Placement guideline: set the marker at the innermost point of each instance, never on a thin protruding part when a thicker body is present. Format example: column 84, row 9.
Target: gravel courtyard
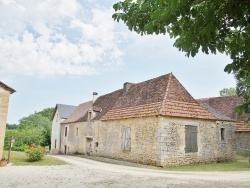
column 82, row 172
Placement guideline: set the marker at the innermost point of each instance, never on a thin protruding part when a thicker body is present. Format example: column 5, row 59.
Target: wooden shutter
column 191, row 138
column 126, row 143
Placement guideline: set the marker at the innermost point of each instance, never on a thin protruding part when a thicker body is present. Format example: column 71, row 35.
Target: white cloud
column 55, row 37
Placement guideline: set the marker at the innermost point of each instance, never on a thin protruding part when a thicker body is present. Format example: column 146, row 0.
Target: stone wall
column 144, row 143
column 156, row 141
column 211, row 148
column 4, row 103
column 242, row 142
column 76, row 140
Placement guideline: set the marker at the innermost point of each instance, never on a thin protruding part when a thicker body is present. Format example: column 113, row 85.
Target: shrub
column 34, row 153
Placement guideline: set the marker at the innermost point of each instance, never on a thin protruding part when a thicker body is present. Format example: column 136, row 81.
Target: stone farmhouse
column 154, row 122
column 60, row 113
column 5, row 92
column 225, row 105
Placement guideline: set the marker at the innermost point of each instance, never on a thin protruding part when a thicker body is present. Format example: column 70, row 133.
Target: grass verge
column 19, row 159
column 241, row 164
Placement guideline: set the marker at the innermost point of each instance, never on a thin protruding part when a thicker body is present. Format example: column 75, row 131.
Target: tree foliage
column 228, row 92
column 47, row 112
column 210, row 26
column 11, row 126
column 34, row 129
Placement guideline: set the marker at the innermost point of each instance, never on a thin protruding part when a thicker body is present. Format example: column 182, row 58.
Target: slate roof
column 64, row 110
column 78, row 112
column 163, row 95
column 7, row 87
column 225, row 106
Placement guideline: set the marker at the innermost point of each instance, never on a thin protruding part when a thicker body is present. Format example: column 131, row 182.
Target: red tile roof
column 225, row 105
column 163, row 95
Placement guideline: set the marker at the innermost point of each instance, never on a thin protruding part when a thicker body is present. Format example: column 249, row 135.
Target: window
column 76, row 131
column 126, row 139
column 66, row 131
column 89, row 116
column 222, row 134
column 55, row 143
column 191, row 139
column 96, row 144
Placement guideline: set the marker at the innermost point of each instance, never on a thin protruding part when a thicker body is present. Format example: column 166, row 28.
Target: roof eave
column 7, row 87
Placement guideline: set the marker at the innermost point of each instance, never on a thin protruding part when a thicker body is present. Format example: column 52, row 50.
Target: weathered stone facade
column 4, row 103
column 211, row 147
column 242, row 142
column 155, row 140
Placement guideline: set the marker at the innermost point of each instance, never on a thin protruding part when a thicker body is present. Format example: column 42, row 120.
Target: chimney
column 126, row 87
column 95, row 96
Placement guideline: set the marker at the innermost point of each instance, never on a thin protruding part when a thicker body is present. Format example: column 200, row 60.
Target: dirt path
column 88, row 173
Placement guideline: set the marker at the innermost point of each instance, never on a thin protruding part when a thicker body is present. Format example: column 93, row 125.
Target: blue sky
column 61, row 51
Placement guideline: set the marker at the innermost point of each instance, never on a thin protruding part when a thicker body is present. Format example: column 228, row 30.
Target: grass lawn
column 241, row 164
column 19, row 159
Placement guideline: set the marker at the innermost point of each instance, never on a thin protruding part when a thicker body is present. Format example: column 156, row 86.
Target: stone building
column 154, row 122
column 225, row 105
column 5, row 92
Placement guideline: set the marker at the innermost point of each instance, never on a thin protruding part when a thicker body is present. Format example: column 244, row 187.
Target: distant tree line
column 34, row 129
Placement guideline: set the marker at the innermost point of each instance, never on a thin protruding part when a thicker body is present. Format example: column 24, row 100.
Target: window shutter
column 194, row 147
column 191, row 139
column 123, row 138
column 126, row 139
column 187, row 139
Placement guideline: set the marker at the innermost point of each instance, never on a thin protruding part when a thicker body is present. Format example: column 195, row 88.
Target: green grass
column 241, row 164
column 19, row 159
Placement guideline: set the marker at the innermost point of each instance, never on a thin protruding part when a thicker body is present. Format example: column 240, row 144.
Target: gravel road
column 82, row 172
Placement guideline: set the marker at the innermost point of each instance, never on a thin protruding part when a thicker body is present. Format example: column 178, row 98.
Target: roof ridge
column 166, row 93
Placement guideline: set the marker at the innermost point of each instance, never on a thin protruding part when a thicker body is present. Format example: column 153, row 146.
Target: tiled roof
column 163, row 95
column 7, row 87
column 214, row 112
column 103, row 104
column 240, row 126
column 79, row 111
column 225, row 106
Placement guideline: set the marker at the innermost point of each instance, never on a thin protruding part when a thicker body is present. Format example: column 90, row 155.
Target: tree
column 34, row 121
column 47, row 112
column 228, row 92
column 210, row 26
column 11, row 126
column 34, row 129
